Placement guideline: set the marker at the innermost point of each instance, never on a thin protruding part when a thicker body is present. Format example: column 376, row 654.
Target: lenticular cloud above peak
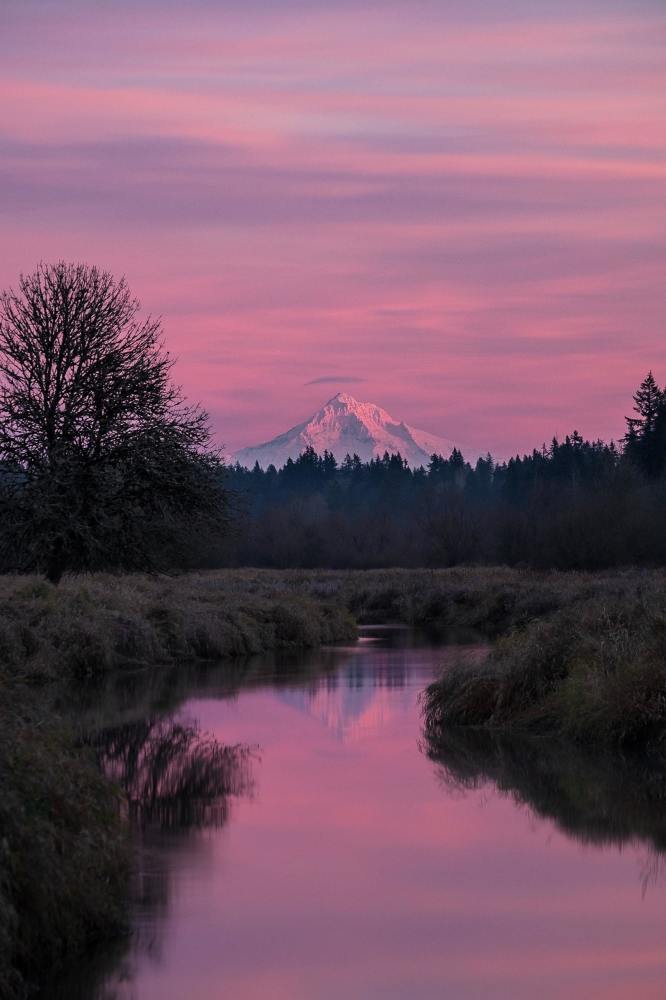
column 346, row 426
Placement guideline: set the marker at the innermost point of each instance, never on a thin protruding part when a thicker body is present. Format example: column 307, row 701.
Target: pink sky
column 455, row 210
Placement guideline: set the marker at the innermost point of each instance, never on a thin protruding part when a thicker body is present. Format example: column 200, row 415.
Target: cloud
column 335, row 378
column 465, row 204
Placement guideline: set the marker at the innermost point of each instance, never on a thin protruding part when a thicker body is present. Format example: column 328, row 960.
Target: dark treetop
column 103, row 462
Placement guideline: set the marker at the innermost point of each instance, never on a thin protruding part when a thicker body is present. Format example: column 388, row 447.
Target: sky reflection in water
column 348, row 864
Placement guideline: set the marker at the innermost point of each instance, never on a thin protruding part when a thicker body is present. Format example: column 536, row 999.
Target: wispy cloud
column 466, row 205
column 324, row 379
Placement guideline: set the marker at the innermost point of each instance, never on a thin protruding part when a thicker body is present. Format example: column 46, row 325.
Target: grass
column 63, row 849
column 487, row 600
column 96, row 624
column 580, row 656
column 594, row 672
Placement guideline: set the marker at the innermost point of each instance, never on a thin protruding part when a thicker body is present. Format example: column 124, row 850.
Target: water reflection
column 171, row 774
column 332, row 864
column 363, row 694
column 597, row 798
column 177, row 782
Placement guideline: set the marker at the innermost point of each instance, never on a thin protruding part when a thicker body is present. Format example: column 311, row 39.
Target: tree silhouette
column 102, row 460
column 645, row 441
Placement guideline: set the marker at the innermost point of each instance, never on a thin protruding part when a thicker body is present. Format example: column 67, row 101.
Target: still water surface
column 340, row 857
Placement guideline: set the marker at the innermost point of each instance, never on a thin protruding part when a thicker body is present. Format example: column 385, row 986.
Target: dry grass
column 594, row 671
column 490, row 600
column 585, row 656
column 94, row 624
column 64, row 855
column 63, row 848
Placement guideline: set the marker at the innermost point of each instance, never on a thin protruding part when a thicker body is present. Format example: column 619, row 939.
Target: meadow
column 96, row 623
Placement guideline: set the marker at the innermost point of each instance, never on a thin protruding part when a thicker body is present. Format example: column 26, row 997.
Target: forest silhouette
column 574, row 504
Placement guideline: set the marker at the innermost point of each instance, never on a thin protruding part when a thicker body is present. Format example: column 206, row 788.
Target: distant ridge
column 345, row 426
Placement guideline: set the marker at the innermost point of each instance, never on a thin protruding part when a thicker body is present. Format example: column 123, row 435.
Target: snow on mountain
column 345, row 426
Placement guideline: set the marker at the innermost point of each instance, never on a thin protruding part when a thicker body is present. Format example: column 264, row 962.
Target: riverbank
column 581, row 655
column 64, row 852
column 593, row 671
column 489, row 600
column 96, row 624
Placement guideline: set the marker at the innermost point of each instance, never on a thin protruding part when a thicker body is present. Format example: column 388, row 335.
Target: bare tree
column 103, row 463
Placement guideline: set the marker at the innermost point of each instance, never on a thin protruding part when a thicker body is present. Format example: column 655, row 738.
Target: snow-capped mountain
column 345, row 426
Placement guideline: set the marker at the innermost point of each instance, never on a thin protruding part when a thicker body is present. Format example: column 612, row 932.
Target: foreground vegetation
column 64, row 856
column 593, row 671
column 94, row 624
column 64, row 849
column 578, row 655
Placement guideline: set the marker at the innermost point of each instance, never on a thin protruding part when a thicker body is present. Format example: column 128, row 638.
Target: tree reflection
column 597, row 798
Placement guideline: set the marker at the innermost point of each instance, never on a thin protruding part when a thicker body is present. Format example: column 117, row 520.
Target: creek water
column 325, row 850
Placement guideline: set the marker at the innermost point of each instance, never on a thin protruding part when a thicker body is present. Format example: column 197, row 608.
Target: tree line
column 104, row 465
column 574, row 504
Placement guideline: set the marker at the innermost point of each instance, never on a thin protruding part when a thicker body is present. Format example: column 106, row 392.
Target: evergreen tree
column 645, row 440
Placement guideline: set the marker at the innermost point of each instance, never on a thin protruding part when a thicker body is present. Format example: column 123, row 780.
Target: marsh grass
column 94, row 624
column 594, row 671
column 489, row 600
column 63, row 848
column 580, row 655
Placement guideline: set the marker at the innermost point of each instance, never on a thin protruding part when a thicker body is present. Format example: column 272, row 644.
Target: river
column 321, row 849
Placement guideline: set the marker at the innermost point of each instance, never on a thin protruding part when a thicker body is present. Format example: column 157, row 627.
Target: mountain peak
column 343, row 400
column 346, row 426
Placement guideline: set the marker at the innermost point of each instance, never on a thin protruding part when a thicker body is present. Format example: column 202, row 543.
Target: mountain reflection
column 597, row 798
column 366, row 693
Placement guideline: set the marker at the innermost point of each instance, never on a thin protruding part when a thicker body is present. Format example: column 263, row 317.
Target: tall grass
column 63, row 849
column 585, row 656
column 595, row 671
column 490, row 600
column 64, row 852
column 95, row 624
